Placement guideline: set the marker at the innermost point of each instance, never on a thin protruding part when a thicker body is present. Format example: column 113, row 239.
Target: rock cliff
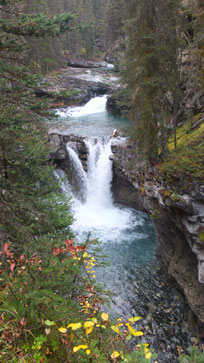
column 179, row 221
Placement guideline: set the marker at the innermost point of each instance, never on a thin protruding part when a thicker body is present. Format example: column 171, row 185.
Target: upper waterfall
column 92, row 119
column 95, row 105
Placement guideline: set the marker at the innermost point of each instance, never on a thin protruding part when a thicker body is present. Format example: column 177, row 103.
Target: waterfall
column 95, row 105
column 77, row 175
column 94, row 186
column 99, row 174
column 93, row 206
column 65, row 187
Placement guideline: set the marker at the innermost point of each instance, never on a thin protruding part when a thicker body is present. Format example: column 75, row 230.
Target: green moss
column 175, row 197
column 155, row 215
column 186, row 161
column 200, row 233
column 167, row 193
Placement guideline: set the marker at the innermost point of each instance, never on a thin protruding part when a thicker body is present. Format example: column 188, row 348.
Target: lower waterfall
column 93, row 207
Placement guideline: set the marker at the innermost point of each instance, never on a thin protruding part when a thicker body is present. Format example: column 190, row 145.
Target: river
column 127, row 236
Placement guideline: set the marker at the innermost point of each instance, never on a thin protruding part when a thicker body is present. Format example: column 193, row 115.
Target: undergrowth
column 51, row 310
column 186, row 161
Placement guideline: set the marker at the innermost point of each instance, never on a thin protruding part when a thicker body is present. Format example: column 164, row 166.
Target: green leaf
column 49, row 323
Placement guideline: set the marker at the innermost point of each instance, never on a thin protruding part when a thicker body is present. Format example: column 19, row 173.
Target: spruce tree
column 28, row 209
column 152, row 69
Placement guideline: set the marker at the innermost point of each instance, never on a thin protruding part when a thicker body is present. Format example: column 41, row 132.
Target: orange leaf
column 89, row 330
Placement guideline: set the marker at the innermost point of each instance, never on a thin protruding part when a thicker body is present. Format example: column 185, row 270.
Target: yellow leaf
column 89, row 330
column 138, row 333
column 74, row 326
column 88, row 324
column 115, row 354
column 115, row 329
column 133, row 331
column 136, row 318
column 88, row 351
column 130, row 328
column 62, row 330
column 148, row 355
column 75, row 349
column 104, row 316
column 94, row 320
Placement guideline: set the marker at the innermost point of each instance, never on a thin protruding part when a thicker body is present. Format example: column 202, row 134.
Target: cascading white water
column 99, row 174
column 93, row 206
column 77, row 174
column 65, row 187
column 95, row 105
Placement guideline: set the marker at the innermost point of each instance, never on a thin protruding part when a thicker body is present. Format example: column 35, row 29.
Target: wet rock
column 90, row 83
column 82, row 63
column 151, row 307
column 59, row 142
column 115, row 105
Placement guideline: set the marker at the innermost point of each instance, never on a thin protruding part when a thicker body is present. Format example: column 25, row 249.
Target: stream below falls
column 127, row 236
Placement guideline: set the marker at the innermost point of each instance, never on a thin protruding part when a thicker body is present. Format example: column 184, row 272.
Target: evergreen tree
column 152, row 69
column 115, row 12
column 27, row 211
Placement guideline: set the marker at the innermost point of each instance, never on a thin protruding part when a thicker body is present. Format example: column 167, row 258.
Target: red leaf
column 12, row 265
column 56, row 251
column 23, row 321
column 6, row 249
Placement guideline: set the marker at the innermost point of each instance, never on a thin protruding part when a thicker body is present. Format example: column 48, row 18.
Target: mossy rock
column 200, row 233
column 185, row 163
column 165, row 193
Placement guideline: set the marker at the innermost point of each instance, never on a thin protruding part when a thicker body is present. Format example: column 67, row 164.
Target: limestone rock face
column 59, row 142
column 178, row 219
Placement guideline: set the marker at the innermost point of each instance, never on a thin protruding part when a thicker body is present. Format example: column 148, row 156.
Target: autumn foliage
column 51, row 310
